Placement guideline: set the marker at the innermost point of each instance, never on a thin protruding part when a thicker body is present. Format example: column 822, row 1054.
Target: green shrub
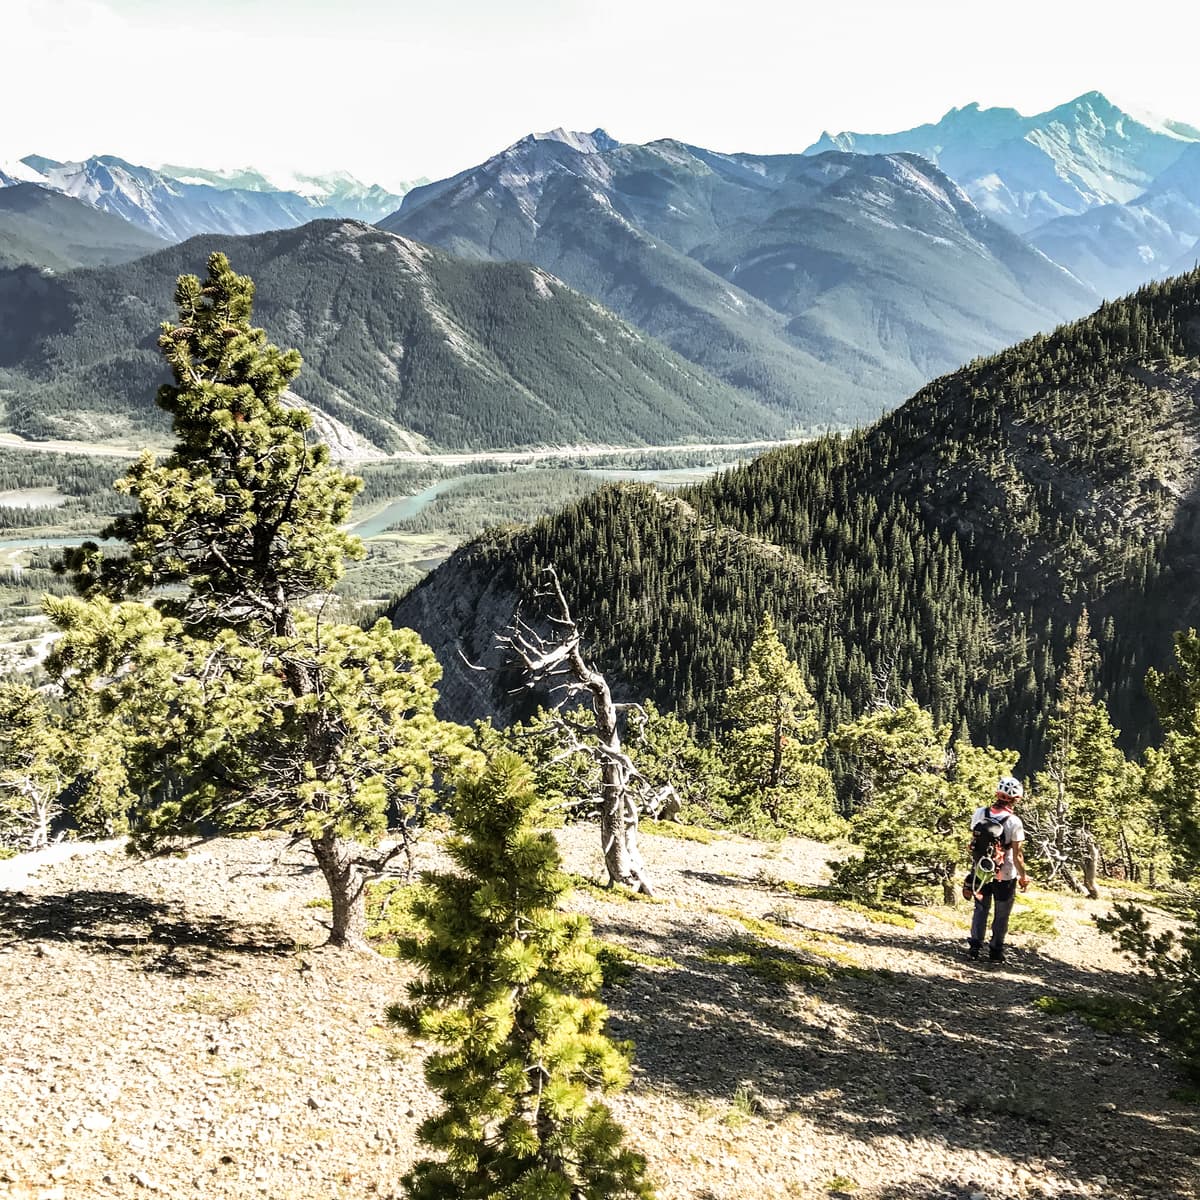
column 1169, row 964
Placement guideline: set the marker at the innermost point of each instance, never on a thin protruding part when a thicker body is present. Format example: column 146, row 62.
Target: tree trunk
column 618, row 816
column 40, row 838
column 1131, row 871
column 1070, row 880
column 1060, row 824
column 777, row 744
column 1091, row 859
column 347, row 882
column 545, row 660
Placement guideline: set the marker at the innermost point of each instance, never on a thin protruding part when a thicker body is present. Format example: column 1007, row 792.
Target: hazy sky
column 392, row 89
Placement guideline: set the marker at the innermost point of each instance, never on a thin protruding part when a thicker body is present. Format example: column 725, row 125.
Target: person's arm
column 1019, row 863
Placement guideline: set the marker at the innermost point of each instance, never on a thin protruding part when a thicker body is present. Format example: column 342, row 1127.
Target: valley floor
column 168, row 1028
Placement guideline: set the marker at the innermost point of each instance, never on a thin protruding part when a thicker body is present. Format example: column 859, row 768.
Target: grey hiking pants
column 1004, row 893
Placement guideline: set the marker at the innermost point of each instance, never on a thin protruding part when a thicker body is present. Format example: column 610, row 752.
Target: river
column 405, row 507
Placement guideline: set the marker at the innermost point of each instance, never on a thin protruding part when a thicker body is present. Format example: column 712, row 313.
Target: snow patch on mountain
column 596, row 142
column 338, row 190
column 13, row 171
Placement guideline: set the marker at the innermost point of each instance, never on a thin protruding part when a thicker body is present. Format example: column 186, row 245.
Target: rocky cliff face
column 458, row 613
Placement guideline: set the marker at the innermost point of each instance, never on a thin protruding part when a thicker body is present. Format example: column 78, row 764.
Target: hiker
column 998, row 857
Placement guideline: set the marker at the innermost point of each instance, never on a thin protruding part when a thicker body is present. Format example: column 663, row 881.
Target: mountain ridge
column 54, row 232
column 780, row 274
column 404, row 345
column 174, row 210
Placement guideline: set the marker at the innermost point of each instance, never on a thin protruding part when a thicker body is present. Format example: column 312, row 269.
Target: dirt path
column 169, row 1029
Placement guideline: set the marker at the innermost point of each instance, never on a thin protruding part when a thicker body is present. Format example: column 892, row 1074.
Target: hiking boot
column 997, row 956
column 973, row 952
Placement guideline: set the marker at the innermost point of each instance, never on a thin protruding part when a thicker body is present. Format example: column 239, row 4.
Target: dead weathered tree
column 1054, row 839
column 557, row 664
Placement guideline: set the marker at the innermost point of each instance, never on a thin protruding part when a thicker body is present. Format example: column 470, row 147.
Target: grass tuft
column 390, row 914
column 742, row 1108
column 1032, row 921
column 768, row 963
column 882, row 913
column 210, row 1004
column 1109, row 1014
column 675, row 829
column 618, row 963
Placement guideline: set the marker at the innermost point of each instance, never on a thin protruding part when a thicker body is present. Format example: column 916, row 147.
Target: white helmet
column 1010, row 788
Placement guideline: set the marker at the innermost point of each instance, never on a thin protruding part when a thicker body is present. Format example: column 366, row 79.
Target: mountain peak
column 595, row 142
column 1094, row 99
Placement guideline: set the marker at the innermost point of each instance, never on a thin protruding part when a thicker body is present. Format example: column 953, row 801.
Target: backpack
column 989, row 839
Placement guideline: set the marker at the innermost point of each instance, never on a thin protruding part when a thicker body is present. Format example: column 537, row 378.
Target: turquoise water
column 404, row 508
column 407, row 506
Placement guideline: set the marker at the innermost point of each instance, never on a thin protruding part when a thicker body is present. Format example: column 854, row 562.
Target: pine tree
column 1093, row 814
column 1175, row 781
column 244, row 514
column 668, row 754
column 773, row 746
column 35, row 751
column 914, row 801
column 241, row 708
column 1170, row 959
column 508, row 989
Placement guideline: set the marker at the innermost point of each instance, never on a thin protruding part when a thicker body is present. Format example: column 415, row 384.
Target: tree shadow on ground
column 917, row 1189
column 948, row 1055
column 732, row 881
column 158, row 937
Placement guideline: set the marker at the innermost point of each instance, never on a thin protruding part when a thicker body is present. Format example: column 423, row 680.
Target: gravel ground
column 174, row 1027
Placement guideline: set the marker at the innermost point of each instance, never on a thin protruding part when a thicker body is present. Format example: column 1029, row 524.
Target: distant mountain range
column 179, row 202
column 1117, row 247
column 1113, row 197
column 827, row 286
column 820, row 288
column 335, row 189
column 405, row 347
column 1025, row 171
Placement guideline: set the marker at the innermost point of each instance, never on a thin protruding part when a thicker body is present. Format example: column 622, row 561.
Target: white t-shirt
column 1014, row 833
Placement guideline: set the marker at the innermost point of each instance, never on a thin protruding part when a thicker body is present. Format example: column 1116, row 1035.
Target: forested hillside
column 44, row 229
column 406, row 345
column 947, row 549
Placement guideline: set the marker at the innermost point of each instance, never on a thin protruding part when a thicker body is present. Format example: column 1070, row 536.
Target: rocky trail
column 173, row 1028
